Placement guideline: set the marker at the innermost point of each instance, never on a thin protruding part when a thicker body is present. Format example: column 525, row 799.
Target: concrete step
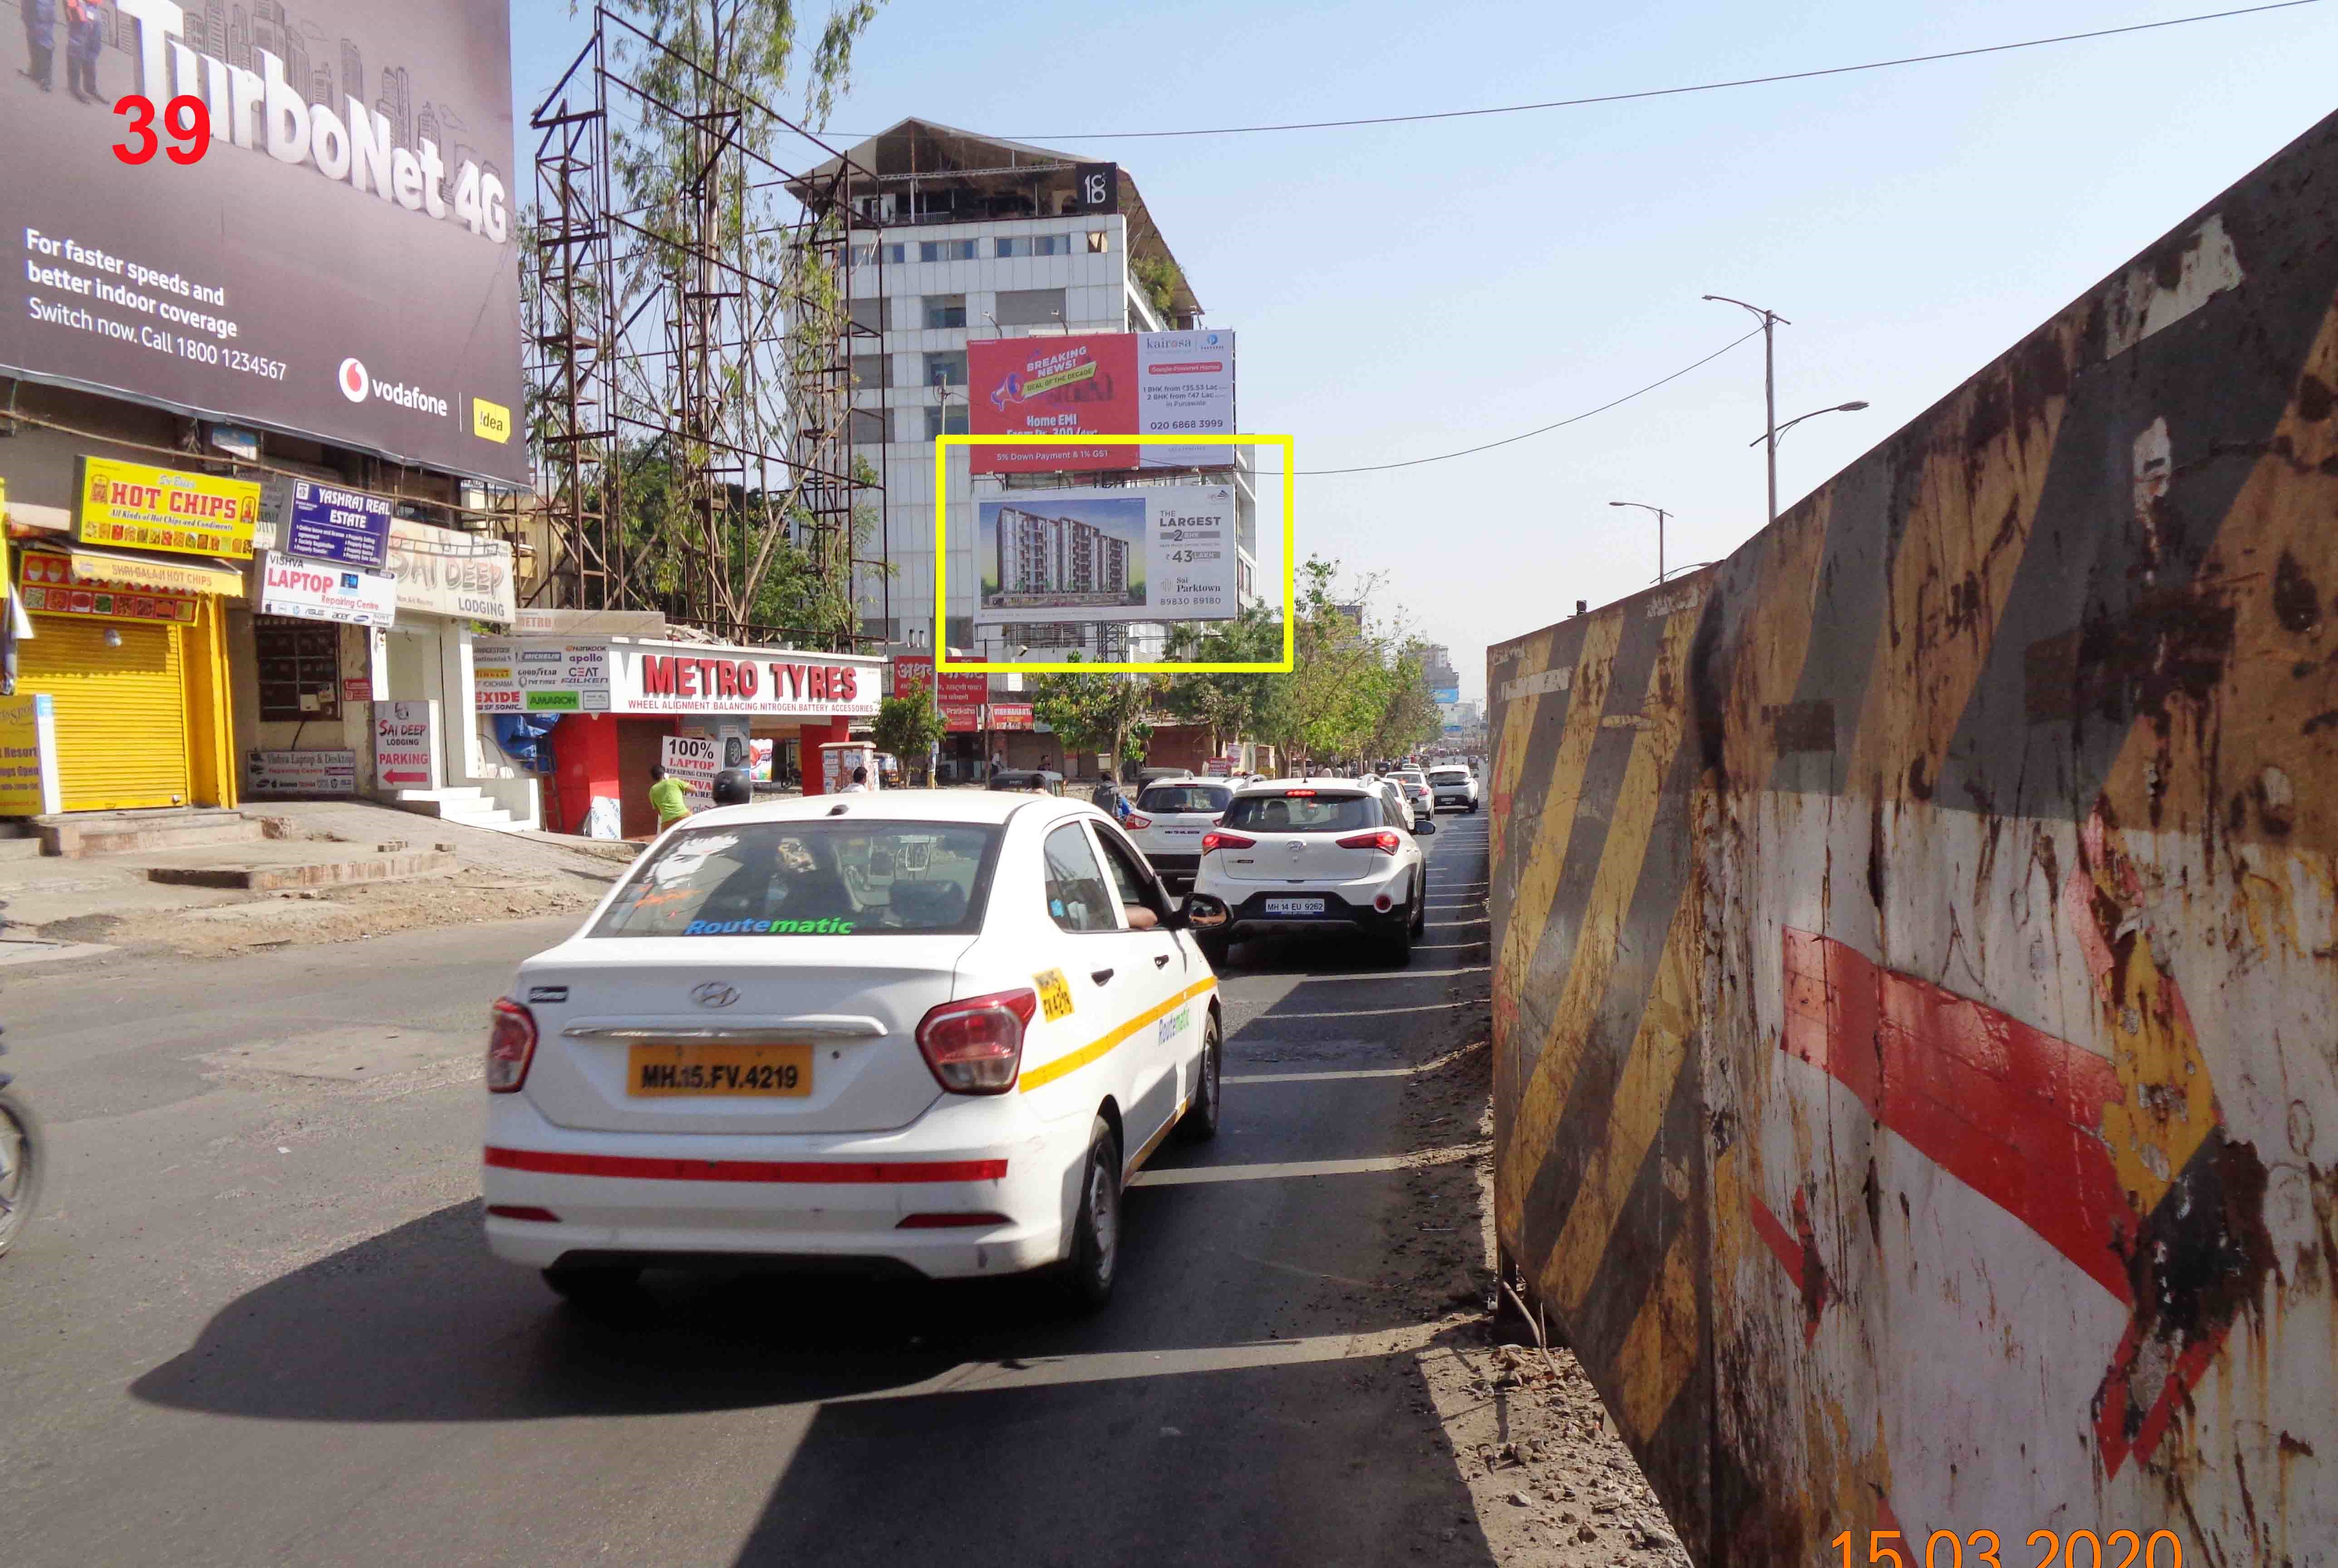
column 496, row 818
column 83, row 835
column 452, row 795
column 269, row 878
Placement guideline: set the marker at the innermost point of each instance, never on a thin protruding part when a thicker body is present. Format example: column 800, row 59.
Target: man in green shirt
column 666, row 794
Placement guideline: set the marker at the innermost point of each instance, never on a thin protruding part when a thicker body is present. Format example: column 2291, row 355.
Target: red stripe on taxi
column 642, row 1168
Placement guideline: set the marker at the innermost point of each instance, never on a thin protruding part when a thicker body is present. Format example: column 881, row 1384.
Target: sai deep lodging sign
column 339, row 263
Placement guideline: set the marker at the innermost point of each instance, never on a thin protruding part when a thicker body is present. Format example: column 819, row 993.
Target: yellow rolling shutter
column 122, row 713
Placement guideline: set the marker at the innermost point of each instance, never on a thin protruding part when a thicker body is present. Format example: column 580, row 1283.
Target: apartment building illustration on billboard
column 1084, row 555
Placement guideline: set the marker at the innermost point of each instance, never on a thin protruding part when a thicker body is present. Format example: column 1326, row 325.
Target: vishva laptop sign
column 348, row 230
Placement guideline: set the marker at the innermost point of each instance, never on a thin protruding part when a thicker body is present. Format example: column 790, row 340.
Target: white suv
column 1454, row 786
column 1168, row 820
column 1311, row 855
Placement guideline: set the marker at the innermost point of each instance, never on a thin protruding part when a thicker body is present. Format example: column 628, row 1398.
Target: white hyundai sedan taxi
column 916, row 1033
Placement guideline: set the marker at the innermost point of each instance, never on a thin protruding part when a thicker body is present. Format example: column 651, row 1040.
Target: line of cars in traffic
column 910, row 1033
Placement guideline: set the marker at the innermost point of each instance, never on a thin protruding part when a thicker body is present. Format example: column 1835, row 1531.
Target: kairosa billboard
column 1101, row 383
column 1158, row 553
column 337, row 262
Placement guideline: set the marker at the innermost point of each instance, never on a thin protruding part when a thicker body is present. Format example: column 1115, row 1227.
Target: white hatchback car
column 916, row 1033
column 1169, row 818
column 1454, row 786
column 1312, row 855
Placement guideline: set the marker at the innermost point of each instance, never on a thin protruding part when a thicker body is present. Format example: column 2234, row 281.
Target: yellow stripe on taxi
column 1046, row 1072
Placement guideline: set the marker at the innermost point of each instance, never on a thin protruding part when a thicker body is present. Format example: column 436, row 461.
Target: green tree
column 907, row 727
column 1100, row 713
column 1229, row 704
column 1409, row 718
column 1327, row 708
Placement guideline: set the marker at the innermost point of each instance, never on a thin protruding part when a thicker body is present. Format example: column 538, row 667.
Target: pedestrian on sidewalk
column 667, row 795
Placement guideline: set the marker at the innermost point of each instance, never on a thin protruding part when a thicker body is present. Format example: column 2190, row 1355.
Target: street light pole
column 1771, row 321
column 1661, row 515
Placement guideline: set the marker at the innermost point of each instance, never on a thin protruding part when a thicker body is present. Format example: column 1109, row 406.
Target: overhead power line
column 1545, row 430
column 1659, row 92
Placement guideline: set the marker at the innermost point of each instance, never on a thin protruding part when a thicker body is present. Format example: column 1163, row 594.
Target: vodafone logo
column 354, row 382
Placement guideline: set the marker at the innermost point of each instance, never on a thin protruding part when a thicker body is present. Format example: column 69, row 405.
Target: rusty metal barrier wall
column 1916, row 952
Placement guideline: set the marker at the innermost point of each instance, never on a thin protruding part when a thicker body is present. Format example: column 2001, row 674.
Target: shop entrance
column 122, row 712
column 641, row 745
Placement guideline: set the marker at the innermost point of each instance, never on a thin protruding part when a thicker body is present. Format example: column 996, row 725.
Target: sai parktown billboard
column 338, row 262
column 1101, row 383
column 1150, row 552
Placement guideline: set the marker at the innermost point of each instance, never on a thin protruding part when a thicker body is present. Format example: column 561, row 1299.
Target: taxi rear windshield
column 1169, row 799
column 820, row 879
column 1305, row 813
column 1450, row 776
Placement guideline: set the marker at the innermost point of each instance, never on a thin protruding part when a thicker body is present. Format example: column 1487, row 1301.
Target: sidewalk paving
column 335, row 871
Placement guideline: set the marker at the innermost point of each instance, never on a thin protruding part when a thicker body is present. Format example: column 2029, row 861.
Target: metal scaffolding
column 691, row 326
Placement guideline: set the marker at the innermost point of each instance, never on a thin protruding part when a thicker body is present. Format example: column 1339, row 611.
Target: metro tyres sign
column 609, row 675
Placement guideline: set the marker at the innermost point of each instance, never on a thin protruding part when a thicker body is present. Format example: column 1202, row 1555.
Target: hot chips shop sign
column 164, row 509
column 48, row 588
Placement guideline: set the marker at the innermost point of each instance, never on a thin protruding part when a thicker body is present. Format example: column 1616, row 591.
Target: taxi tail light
column 1134, row 820
column 524, row 1212
column 511, row 1046
column 1385, row 841
column 1226, row 841
column 975, row 1045
column 949, row 1222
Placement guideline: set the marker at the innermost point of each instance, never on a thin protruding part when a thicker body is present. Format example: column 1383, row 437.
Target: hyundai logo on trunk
column 713, row 993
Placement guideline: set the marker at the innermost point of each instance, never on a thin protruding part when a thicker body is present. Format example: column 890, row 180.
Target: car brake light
column 951, row 1221
column 1385, row 841
column 511, row 1045
column 1299, row 794
column 524, row 1212
column 1134, row 820
column 1226, row 841
column 975, row 1045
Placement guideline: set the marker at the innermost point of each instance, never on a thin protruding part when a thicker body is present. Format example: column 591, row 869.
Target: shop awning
column 96, row 568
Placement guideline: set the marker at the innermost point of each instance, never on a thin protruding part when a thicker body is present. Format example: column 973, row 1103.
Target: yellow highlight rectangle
column 942, row 660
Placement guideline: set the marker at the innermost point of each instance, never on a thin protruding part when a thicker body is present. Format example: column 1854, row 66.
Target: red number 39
column 186, row 117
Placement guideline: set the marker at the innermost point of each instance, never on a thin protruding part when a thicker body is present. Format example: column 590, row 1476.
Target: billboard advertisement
column 332, row 255
column 1101, row 383
column 1159, row 553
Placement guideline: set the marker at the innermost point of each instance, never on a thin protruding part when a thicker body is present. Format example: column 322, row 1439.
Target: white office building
column 966, row 236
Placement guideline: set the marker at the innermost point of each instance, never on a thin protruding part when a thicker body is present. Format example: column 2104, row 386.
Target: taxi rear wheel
column 1088, row 1273
column 1200, row 1123
column 593, row 1285
column 1420, row 909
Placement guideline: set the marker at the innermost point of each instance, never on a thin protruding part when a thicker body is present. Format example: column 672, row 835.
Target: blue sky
column 1406, row 290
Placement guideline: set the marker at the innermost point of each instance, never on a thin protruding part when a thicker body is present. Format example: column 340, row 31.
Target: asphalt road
column 255, row 1323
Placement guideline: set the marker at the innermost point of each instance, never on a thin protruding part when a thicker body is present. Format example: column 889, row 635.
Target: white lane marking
column 1366, row 1012
column 1394, row 975
column 1115, row 1366
column 1317, row 1077
column 1202, row 1174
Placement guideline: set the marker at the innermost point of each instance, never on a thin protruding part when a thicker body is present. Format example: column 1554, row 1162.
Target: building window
column 868, row 427
column 949, row 420
column 867, row 370
column 299, row 669
column 868, row 255
column 945, row 250
column 946, row 370
column 1034, row 245
column 944, row 311
column 1030, row 306
column 1099, row 241
column 868, row 315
